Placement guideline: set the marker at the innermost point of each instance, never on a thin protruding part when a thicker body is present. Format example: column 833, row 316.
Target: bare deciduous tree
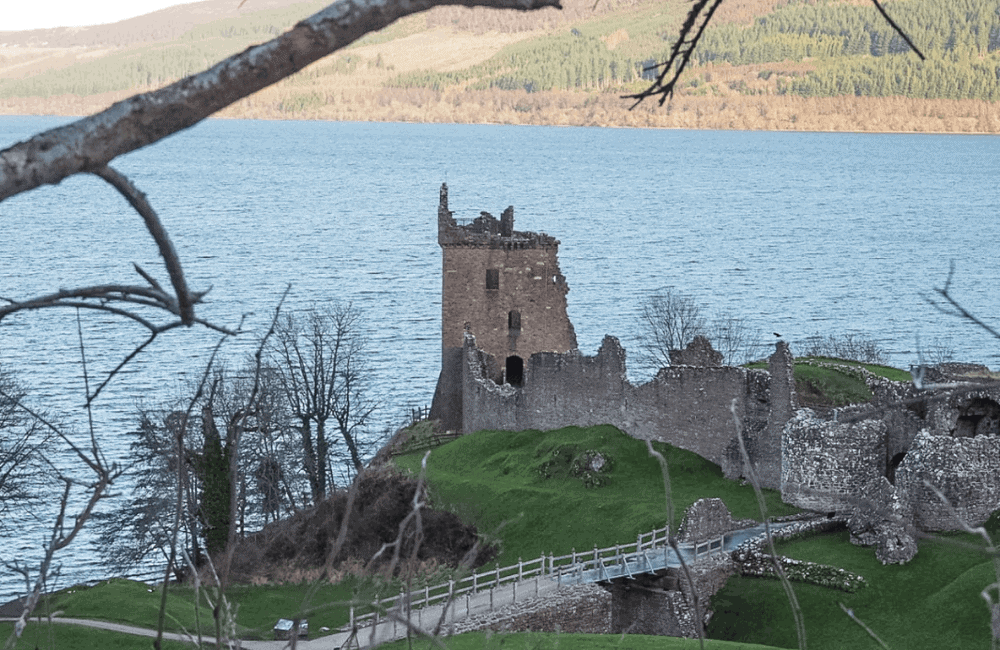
column 668, row 321
column 22, row 440
column 318, row 360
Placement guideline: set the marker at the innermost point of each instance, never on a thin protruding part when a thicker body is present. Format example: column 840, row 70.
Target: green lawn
column 520, row 487
column 931, row 602
column 527, row 489
column 547, row 641
column 42, row 636
column 259, row 607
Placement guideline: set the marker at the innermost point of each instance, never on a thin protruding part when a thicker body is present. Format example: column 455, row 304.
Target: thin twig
column 793, row 601
column 899, row 31
column 684, row 46
column 680, row 53
column 871, row 632
column 672, row 541
column 956, row 308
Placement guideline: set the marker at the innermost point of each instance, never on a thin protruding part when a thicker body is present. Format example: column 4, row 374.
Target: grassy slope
column 817, row 383
column 932, row 602
column 134, row 603
column 493, row 478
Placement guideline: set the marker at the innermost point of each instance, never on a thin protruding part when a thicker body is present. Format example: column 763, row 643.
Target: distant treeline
column 568, row 61
column 808, row 48
column 851, row 47
column 857, row 53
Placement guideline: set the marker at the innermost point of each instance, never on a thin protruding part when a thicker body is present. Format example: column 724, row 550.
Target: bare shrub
column 851, row 347
column 669, row 320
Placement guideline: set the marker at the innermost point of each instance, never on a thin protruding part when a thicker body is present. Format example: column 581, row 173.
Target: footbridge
column 451, row 602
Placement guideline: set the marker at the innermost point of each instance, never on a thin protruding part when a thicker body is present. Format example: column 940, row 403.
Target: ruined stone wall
column 826, row 465
column 967, row 472
column 688, row 407
column 559, row 390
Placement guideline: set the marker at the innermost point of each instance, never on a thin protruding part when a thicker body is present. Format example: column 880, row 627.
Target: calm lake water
column 799, row 233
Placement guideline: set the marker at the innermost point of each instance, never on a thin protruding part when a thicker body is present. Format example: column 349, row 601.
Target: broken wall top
column 486, row 230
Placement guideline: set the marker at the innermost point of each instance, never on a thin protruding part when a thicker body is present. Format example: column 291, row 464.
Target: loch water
column 798, row 233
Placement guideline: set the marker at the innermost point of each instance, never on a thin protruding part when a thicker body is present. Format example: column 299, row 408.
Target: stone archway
column 979, row 416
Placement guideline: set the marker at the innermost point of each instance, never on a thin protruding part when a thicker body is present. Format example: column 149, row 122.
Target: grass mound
column 571, row 488
column 384, row 498
column 824, row 382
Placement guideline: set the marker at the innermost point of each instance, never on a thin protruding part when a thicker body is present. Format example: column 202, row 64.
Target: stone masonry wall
column 688, row 407
column 967, row 472
column 502, row 286
column 529, row 283
column 825, row 465
column 583, row 609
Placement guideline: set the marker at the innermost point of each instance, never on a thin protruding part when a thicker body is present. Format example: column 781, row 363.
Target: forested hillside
column 799, row 64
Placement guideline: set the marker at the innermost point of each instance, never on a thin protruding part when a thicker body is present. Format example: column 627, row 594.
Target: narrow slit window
column 492, row 279
column 514, row 322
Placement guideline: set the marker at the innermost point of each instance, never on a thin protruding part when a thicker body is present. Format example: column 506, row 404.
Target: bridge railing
column 569, row 568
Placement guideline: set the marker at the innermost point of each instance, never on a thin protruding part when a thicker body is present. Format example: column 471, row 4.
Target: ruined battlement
column 486, row 231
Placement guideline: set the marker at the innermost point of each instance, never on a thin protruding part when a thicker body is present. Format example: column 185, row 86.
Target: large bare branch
column 89, row 144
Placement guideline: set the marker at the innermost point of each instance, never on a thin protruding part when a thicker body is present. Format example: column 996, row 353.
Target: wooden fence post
column 451, row 598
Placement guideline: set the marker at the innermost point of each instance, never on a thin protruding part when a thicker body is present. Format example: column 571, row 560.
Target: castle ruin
column 510, row 362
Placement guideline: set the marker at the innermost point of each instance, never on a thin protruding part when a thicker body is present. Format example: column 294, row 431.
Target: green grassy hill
column 526, row 481
column 529, row 491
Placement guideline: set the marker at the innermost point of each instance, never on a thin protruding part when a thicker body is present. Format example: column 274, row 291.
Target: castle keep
column 503, row 287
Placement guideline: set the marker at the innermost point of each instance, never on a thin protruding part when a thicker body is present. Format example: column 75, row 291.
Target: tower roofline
column 486, row 231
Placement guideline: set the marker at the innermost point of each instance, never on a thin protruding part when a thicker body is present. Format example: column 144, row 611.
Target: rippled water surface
column 799, row 233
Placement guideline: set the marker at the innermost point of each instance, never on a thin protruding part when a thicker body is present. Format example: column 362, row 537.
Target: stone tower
column 503, row 287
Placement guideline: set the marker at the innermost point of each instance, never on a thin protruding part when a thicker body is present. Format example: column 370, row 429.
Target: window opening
column 514, row 322
column 492, row 279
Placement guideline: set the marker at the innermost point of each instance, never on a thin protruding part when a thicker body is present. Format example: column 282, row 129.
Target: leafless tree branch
column 898, row 30
column 954, row 308
column 680, row 54
column 185, row 301
column 89, row 144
